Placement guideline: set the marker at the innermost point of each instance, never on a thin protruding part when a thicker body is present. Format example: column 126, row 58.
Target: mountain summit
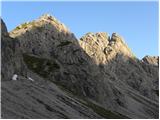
column 48, row 73
column 102, row 48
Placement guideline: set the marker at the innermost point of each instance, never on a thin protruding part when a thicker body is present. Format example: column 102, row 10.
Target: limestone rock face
column 102, row 49
column 40, row 36
column 62, row 77
column 118, row 60
column 151, row 60
column 46, row 38
column 94, row 45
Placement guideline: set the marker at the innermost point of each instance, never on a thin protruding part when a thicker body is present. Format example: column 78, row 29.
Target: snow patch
column 15, row 76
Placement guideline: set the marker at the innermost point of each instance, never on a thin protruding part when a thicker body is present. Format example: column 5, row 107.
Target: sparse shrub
column 41, row 66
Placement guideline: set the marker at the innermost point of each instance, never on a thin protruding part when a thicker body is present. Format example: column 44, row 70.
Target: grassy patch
column 41, row 66
column 17, row 28
column 25, row 25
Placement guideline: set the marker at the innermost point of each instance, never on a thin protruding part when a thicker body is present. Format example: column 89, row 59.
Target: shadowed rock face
column 12, row 61
column 62, row 77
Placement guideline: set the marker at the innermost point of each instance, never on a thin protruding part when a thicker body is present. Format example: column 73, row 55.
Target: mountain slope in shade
column 61, row 77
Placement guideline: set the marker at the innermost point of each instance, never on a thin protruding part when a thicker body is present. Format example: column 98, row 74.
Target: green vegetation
column 64, row 43
column 41, row 66
column 17, row 28
column 25, row 25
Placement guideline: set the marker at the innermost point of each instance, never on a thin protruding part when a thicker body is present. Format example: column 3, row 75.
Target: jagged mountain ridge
column 100, row 46
column 100, row 72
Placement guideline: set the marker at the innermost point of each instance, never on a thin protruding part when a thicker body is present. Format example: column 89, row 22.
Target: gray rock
column 98, row 77
column 12, row 61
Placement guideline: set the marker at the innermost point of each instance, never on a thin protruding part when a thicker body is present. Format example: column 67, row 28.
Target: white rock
column 29, row 78
column 14, row 77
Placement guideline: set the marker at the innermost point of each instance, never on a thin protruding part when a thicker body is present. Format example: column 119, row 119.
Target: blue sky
column 136, row 22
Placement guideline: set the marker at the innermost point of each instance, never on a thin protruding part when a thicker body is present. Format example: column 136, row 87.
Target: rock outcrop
column 12, row 61
column 102, row 49
column 62, row 77
column 151, row 60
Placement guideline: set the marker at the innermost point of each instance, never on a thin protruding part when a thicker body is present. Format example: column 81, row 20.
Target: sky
column 136, row 22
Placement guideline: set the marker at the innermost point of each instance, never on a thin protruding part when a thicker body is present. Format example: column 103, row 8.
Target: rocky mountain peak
column 103, row 49
column 47, row 17
column 41, row 35
column 94, row 45
column 118, row 44
column 52, row 20
column 45, row 22
column 100, row 38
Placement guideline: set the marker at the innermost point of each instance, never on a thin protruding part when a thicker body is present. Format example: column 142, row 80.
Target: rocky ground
column 48, row 73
